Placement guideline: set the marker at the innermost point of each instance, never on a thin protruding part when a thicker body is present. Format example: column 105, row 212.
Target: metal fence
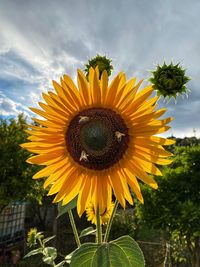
column 11, row 228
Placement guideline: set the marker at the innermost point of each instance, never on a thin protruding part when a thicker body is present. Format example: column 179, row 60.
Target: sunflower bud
column 169, row 80
column 102, row 62
column 32, row 237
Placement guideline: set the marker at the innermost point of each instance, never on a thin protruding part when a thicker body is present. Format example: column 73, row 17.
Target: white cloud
column 41, row 40
column 9, row 107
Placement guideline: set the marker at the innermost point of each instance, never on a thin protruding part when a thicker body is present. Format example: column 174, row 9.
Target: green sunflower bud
column 169, row 80
column 102, row 62
column 32, row 237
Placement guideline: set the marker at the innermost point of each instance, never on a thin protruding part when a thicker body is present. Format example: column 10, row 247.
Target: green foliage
column 123, row 251
column 66, row 208
column 123, row 224
column 15, row 174
column 49, row 254
column 187, row 141
column 169, row 80
column 174, row 207
column 179, row 250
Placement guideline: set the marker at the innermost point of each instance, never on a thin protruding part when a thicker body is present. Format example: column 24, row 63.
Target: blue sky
column 42, row 40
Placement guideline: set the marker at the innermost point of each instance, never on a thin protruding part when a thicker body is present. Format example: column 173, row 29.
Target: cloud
column 9, row 107
column 42, row 40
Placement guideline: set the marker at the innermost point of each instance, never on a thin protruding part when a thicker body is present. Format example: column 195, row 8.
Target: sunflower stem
column 106, row 236
column 99, row 229
column 76, row 236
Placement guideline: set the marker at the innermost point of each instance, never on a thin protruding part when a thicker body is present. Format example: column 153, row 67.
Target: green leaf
column 33, row 252
column 48, row 239
column 60, row 264
column 48, row 260
column 64, row 209
column 88, row 231
column 123, row 251
column 50, row 252
column 130, row 250
column 84, row 255
column 68, row 257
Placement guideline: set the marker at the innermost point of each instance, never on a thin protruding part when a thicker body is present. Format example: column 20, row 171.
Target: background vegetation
column 167, row 227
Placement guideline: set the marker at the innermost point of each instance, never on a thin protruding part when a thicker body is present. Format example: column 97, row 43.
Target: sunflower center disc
column 95, row 135
column 92, row 139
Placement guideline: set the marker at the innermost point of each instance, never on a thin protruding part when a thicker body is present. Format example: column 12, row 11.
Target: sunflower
column 97, row 139
column 104, row 216
column 32, row 237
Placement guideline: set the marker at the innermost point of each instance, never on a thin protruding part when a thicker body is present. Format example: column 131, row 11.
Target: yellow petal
column 45, row 159
column 149, row 131
column 146, row 166
column 84, row 195
column 141, row 175
column 104, row 85
column 129, row 98
column 62, row 183
column 83, row 88
column 71, row 190
column 143, row 108
column 112, row 91
column 155, row 159
column 139, row 99
column 148, row 116
column 132, row 181
column 162, row 141
column 126, row 189
column 71, row 96
column 58, row 103
column 117, row 188
column 66, row 101
column 48, row 116
column 48, row 123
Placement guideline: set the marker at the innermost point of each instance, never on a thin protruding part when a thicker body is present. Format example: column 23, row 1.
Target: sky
column 42, row 40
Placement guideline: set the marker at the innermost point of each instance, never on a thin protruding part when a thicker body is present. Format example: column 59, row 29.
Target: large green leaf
column 64, row 209
column 83, row 256
column 123, row 252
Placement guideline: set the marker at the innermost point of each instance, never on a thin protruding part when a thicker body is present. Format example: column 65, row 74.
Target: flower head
column 97, row 139
column 169, row 80
column 102, row 62
column 32, row 237
column 104, row 216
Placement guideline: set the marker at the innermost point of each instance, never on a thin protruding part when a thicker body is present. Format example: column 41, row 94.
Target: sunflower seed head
column 119, row 136
column 83, row 119
column 84, row 156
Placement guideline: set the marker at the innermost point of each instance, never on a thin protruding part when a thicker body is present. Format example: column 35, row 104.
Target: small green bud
column 169, row 80
column 102, row 62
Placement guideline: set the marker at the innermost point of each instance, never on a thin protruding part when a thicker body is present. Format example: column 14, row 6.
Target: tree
column 15, row 174
column 175, row 205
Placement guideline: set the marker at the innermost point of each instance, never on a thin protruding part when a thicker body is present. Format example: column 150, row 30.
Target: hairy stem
column 106, row 236
column 99, row 229
column 76, row 236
